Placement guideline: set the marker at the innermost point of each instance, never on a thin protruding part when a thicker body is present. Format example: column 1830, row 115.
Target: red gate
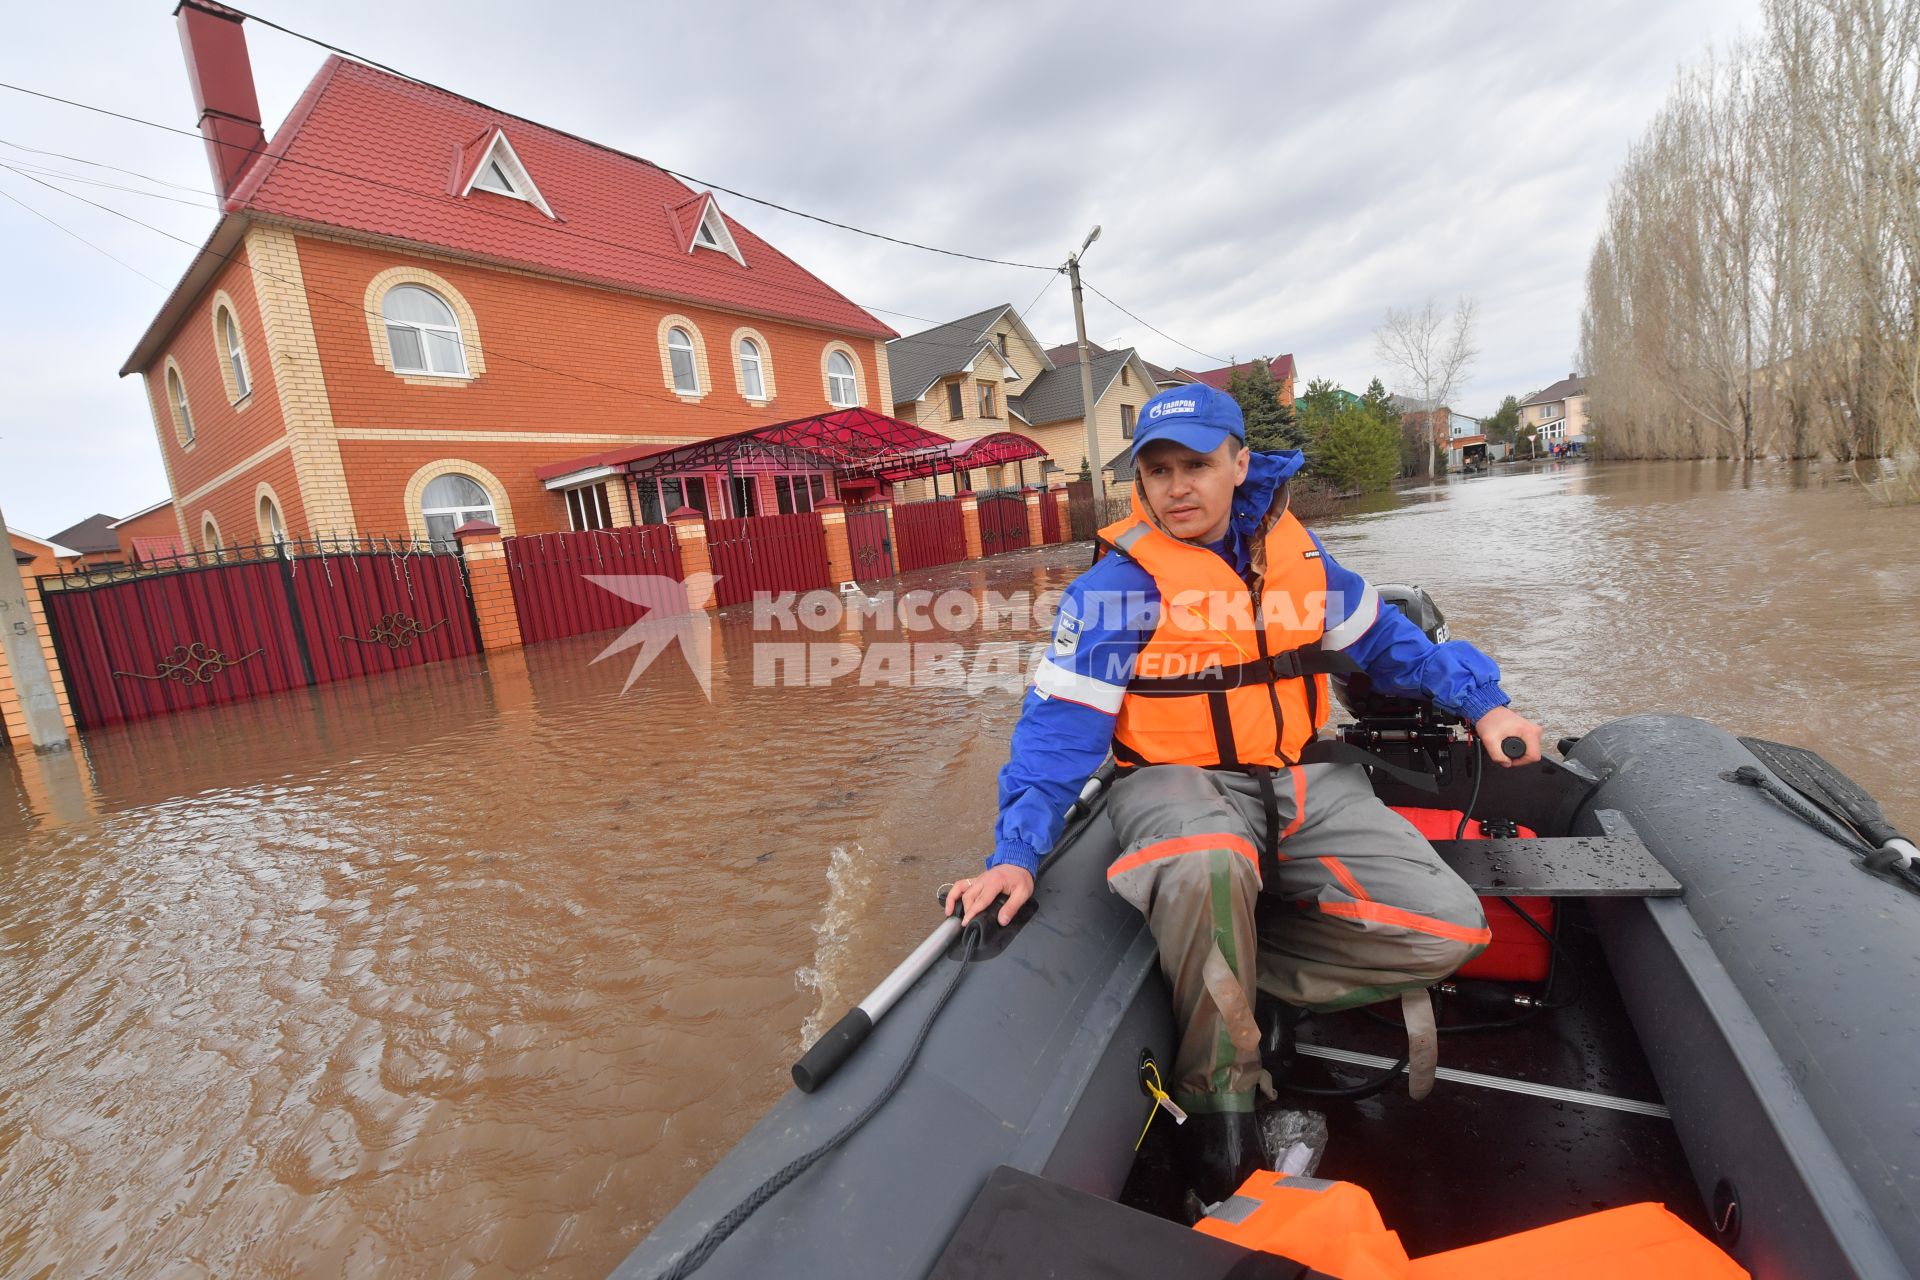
column 767, row 553
column 1003, row 523
column 870, row 541
column 552, row 579
column 1049, row 517
column 930, row 533
column 224, row 626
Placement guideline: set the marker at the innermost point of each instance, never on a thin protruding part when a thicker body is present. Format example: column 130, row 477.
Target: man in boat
column 1196, row 650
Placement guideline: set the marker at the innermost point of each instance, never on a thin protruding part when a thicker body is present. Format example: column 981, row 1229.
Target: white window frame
column 459, row 340
column 693, row 363
column 588, row 508
column 492, row 508
column 752, row 392
column 520, row 184
column 711, row 233
column 236, row 354
column 177, row 395
column 851, row 377
column 275, row 522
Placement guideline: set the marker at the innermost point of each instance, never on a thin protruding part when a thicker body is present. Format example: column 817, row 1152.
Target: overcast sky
column 1270, row 178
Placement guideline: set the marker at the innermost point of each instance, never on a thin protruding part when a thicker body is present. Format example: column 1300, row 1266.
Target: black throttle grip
column 1513, row 748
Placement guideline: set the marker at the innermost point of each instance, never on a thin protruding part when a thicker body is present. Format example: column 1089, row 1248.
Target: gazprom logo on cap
column 1165, row 407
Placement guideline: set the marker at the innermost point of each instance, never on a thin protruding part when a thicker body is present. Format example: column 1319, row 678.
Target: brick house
column 149, row 534
column 987, row 372
column 94, row 539
column 1558, row 413
column 413, row 302
column 1280, row 367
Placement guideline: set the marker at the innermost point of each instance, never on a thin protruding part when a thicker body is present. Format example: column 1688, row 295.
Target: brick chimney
column 222, row 78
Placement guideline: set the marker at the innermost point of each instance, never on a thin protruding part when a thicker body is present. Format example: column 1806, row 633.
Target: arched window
column 272, row 527
column 451, row 500
column 209, row 533
column 182, row 416
column 752, row 384
column 841, row 388
column 686, row 376
column 422, row 332
column 235, row 354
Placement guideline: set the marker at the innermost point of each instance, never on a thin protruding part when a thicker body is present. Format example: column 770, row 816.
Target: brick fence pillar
column 1033, row 498
column 13, row 713
column 970, row 523
column 492, row 586
column 1058, row 494
column 833, row 519
column 690, row 528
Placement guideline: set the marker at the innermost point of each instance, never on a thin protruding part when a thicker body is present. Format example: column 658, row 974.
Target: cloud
column 1270, row 178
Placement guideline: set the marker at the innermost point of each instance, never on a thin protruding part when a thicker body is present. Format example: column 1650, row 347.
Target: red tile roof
column 1281, row 367
column 371, row 152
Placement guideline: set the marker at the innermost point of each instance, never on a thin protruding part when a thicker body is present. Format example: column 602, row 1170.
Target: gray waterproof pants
column 1361, row 907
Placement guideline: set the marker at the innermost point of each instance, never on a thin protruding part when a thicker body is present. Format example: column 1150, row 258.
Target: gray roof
column 919, row 360
column 95, row 533
column 1571, row 385
column 1055, row 394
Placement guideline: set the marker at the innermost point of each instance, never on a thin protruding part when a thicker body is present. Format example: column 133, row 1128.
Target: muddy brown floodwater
column 475, row 969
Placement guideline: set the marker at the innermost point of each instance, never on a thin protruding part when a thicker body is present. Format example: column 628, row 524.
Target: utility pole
column 1086, row 378
column 20, row 640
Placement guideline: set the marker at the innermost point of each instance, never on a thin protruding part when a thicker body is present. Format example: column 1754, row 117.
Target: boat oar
column 831, row 1051
column 1813, row 777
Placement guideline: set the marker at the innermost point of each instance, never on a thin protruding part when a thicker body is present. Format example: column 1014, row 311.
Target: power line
column 435, row 199
column 491, row 352
column 59, row 226
column 101, row 164
column 1137, row 320
column 715, row 186
column 48, row 171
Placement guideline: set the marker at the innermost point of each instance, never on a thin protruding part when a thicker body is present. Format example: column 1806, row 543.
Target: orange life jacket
column 1225, row 680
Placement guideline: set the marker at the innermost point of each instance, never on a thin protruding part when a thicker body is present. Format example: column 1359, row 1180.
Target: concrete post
column 690, row 528
column 970, row 522
column 35, row 710
column 491, row 583
column 1033, row 499
column 833, row 520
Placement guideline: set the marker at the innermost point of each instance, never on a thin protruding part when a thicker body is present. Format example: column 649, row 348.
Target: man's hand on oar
column 977, row 894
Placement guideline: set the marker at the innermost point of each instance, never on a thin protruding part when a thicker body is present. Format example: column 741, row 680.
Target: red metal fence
column 225, row 626
column 929, row 533
column 1003, row 523
column 554, row 591
column 870, row 541
column 767, row 553
column 1049, row 518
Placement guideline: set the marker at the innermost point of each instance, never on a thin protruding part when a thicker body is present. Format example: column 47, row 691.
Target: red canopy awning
column 848, row 442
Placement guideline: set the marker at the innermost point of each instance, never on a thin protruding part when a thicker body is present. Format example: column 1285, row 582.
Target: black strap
column 1307, row 661
column 1269, row 847
column 1222, row 717
column 1333, row 751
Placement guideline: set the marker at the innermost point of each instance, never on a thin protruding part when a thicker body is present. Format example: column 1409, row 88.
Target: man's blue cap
column 1194, row 415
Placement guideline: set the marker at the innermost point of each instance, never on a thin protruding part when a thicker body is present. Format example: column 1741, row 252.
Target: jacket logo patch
column 1310, row 555
column 1066, row 634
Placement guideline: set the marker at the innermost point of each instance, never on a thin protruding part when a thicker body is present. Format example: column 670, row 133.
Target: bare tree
column 1430, row 354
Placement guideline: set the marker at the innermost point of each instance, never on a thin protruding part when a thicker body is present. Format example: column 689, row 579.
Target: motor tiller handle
column 1513, row 748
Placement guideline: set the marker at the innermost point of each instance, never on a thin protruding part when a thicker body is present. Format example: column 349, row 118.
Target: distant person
column 1214, row 806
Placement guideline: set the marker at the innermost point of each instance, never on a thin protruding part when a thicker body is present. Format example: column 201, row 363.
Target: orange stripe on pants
column 1380, row 913
column 1186, row 844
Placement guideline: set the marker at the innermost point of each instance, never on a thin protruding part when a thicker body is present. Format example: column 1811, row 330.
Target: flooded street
column 473, row 970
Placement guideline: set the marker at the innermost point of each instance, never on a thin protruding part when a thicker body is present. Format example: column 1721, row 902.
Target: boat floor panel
column 1469, row 1163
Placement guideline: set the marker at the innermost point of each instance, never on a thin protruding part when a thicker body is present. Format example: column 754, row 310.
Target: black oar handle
column 1513, row 748
column 831, row 1051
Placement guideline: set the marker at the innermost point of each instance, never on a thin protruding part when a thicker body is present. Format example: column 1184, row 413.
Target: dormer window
column 500, row 172
column 710, row 230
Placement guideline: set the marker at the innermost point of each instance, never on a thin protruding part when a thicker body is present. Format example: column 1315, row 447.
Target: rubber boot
column 1277, row 1020
column 1219, row 1150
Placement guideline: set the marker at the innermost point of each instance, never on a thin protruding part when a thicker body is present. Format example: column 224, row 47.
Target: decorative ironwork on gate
column 262, row 618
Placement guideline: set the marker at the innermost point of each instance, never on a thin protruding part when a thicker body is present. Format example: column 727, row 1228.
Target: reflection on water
column 474, row 969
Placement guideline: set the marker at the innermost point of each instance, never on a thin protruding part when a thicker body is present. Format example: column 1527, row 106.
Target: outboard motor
column 1407, row 730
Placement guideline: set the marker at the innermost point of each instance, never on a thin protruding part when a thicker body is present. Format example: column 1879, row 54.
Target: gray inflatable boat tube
column 1776, row 1001
column 1034, row 1063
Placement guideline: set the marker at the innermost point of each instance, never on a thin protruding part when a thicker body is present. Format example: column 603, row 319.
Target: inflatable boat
column 1701, row 995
